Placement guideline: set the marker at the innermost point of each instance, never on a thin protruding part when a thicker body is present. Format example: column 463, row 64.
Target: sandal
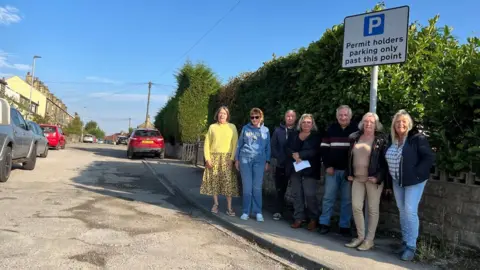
column 230, row 213
column 215, row 209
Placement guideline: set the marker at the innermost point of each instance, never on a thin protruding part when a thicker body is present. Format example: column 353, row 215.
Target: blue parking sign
column 374, row 25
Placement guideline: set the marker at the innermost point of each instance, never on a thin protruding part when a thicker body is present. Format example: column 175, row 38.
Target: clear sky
column 92, row 49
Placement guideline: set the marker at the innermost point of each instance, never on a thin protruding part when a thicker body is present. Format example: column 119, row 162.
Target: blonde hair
column 218, row 111
column 378, row 125
column 306, row 115
column 405, row 114
column 257, row 111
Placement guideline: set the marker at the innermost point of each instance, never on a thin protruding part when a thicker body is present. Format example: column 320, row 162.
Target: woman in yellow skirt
column 219, row 178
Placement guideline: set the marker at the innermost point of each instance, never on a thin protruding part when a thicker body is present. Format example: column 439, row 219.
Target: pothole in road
column 92, row 257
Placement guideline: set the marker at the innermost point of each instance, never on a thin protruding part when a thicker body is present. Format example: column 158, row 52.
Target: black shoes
column 324, row 229
column 346, row 232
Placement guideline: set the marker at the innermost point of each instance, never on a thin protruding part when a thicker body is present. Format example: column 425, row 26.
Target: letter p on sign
column 374, row 25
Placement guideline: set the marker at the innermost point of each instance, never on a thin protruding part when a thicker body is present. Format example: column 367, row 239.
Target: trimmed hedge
column 439, row 85
column 184, row 117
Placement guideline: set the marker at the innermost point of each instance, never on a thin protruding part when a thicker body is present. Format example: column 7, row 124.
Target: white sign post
column 373, row 39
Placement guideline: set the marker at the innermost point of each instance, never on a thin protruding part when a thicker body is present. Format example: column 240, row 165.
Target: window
column 49, row 129
column 147, row 133
column 17, row 119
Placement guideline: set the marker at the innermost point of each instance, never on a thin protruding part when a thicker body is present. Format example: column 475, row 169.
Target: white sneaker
column 260, row 218
column 244, row 217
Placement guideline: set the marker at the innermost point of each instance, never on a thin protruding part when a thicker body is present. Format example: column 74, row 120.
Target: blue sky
column 92, row 49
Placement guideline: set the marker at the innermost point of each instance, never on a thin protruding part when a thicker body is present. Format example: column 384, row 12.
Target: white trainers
column 244, row 217
column 260, row 218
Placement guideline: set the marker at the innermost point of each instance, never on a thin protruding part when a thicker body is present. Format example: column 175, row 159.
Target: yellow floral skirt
column 221, row 179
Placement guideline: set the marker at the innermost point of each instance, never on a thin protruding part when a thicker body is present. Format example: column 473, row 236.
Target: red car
column 146, row 141
column 54, row 135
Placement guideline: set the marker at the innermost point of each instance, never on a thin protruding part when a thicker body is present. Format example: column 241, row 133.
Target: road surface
column 88, row 207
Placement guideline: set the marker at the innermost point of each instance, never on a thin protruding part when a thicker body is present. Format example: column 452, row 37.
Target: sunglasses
column 255, row 117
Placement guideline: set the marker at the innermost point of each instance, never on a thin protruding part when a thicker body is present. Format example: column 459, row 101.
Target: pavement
column 307, row 249
column 88, row 207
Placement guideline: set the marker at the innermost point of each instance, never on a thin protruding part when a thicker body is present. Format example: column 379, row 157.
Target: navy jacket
column 279, row 142
column 417, row 160
column 308, row 150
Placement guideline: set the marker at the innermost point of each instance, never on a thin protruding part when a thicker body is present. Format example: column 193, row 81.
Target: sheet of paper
column 302, row 165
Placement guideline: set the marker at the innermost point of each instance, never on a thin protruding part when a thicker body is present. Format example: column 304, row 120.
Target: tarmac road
column 88, row 207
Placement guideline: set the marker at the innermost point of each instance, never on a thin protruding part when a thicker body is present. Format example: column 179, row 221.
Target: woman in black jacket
column 303, row 148
column 410, row 159
column 366, row 170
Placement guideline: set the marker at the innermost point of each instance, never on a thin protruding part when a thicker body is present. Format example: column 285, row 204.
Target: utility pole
column 148, row 103
column 129, row 123
column 31, row 86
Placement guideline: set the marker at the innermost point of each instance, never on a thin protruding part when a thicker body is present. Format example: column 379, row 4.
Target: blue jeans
column 333, row 184
column 252, row 170
column 407, row 199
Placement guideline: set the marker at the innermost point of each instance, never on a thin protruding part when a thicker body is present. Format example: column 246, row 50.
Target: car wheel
column 45, row 153
column 64, row 145
column 57, row 147
column 6, row 164
column 130, row 153
column 32, row 160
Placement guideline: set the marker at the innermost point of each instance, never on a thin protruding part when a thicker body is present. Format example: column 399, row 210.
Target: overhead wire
column 202, row 37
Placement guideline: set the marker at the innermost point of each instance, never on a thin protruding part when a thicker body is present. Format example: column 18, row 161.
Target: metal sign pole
column 373, row 89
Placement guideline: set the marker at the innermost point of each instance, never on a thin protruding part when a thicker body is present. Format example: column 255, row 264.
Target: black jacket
column 308, row 150
column 335, row 146
column 378, row 165
column 417, row 160
column 279, row 142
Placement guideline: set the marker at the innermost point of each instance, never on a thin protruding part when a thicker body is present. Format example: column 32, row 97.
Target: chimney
column 36, row 83
column 28, row 78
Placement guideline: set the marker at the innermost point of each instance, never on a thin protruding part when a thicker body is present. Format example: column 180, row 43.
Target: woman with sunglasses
column 251, row 159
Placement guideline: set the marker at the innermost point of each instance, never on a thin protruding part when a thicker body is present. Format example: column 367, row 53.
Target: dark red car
column 146, row 141
column 54, row 135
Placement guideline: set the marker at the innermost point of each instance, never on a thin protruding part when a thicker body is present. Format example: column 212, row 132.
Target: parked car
column 16, row 140
column 146, row 141
column 41, row 141
column 122, row 140
column 100, row 141
column 88, row 138
column 55, row 136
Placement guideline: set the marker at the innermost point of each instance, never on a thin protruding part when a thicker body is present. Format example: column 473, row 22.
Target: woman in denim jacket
column 409, row 159
column 251, row 159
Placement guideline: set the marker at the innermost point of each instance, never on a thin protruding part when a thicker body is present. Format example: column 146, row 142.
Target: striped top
column 335, row 145
column 394, row 157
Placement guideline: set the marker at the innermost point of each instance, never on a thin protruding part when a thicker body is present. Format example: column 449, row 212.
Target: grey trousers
column 304, row 191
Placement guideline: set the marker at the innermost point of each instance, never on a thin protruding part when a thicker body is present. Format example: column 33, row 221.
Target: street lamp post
column 31, row 86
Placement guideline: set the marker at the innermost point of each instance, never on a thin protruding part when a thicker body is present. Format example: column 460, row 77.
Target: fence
column 449, row 210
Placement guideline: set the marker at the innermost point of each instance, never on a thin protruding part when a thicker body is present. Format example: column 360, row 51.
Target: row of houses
column 44, row 103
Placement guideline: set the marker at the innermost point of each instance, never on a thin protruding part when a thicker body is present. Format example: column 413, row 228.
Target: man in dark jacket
column 278, row 143
column 334, row 148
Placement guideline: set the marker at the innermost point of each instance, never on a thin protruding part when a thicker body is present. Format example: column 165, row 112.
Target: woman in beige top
column 366, row 170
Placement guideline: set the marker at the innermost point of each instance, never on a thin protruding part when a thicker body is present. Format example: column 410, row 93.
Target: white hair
column 306, row 115
column 341, row 107
column 405, row 114
column 378, row 125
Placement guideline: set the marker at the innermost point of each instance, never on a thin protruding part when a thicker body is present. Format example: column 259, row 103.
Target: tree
column 75, row 126
column 184, row 116
column 130, row 130
column 91, row 125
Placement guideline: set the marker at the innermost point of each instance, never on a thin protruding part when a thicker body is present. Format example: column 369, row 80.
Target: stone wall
column 449, row 209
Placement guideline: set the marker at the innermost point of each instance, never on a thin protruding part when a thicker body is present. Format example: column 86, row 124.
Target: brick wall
column 449, row 209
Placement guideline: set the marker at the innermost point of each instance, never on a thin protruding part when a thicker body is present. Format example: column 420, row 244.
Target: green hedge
column 439, row 85
column 184, row 117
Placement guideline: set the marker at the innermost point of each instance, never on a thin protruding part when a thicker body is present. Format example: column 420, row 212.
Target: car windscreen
column 147, row 133
column 49, row 130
